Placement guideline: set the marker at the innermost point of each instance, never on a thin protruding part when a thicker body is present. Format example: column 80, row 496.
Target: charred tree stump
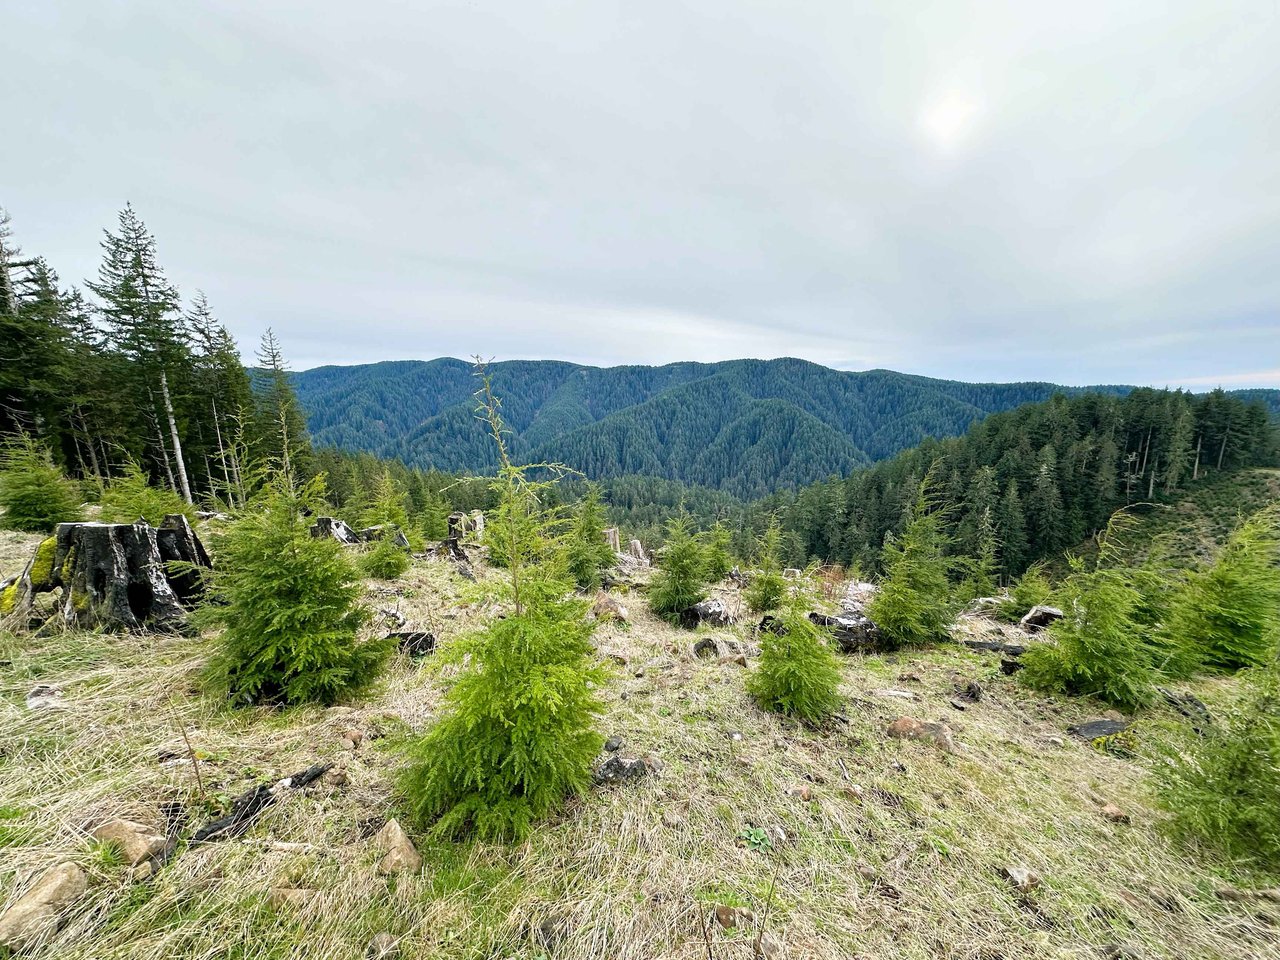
column 376, row 533
column 111, row 575
column 184, row 556
column 459, row 525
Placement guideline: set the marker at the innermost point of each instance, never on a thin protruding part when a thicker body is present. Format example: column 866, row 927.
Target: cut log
column 854, row 633
column 112, row 576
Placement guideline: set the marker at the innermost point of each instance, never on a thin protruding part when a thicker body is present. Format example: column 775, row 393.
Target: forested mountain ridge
column 744, row 426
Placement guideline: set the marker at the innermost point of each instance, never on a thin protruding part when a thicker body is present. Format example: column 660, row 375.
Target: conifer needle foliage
column 717, row 558
column 387, row 560
column 799, row 673
column 290, row 606
column 34, row 493
column 589, row 553
column 1226, row 615
column 129, row 498
column 1099, row 648
column 1223, row 785
column 518, row 730
column 681, row 580
column 913, row 605
column 768, row 588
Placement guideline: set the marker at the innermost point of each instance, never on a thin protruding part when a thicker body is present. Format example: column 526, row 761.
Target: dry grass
column 910, row 870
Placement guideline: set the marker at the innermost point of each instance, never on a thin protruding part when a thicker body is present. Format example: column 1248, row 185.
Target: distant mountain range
column 745, row 426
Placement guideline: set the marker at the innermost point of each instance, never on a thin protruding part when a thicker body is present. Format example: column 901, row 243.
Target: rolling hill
column 745, row 426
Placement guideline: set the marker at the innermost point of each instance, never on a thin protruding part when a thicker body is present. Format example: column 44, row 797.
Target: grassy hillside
column 871, row 847
column 745, row 426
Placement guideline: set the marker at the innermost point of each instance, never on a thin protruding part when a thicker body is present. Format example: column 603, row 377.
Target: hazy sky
column 1079, row 192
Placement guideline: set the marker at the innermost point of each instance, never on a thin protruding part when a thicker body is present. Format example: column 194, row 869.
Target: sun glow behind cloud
column 948, row 117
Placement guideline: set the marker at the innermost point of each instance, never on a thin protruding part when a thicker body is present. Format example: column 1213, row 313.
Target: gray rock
column 621, row 770
column 37, row 913
column 135, row 841
column 400, row 855
column 1039, row 617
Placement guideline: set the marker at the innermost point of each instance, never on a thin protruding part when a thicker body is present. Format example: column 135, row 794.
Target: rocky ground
column 947, row 813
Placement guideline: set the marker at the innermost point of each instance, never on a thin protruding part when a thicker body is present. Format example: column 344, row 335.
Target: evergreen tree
column 768, row 588
column 681, row 578
column 34, row 493
column 1044, row 510
column 129, row 498
column 913, row 605
column 518, row 730
column 290, row 605
column 589, row 553
column 799, row 673
column 1226, row 616
column 716, row 556
column 1222, row 786
column 279, row 428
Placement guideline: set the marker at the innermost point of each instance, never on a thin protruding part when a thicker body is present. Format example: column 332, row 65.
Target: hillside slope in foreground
column 872, row 847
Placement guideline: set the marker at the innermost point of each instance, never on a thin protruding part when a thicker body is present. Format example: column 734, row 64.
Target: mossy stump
column 113, row 576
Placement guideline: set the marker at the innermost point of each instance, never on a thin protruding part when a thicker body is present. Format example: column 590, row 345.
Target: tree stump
column 459, row 525
column 112, row 576
column 376, row 533
column 334, row 528
column 180, row 546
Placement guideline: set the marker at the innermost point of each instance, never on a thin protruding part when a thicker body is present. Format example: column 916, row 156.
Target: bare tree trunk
column 173, row 432
column 88, row 442
column 222, row 452
column 1222, row 450
column 1195, row 470
column 1151, row 481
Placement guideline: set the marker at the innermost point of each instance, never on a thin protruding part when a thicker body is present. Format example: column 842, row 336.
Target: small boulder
column 383, row 946
column 1023, row 879
column 909, row 728
column 44, row 696
column 1114, row 813
column 135, row 841
column 608, row 608
column 730, row 917
column 621, row 770
column 400, row 855
column 295, row 897
column 801, row 792
column 613, row 744
column 1039, row 617
column 36, row 914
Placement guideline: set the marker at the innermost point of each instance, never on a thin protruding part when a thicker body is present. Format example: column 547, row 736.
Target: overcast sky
column 1080, row 192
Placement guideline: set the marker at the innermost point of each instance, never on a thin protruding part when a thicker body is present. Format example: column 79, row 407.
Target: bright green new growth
column 517, row 732
column 1226, row 615
column 589, row 554
column 716, row 555
column 387, row 560
column 768, row 588
column 1029, row 590
column 1223, row 786
column 1099, row 648
column 799, row 673
column 913, row 605
column 129, row 498
column 681, row 578
column 35, row 495
column 290, row 606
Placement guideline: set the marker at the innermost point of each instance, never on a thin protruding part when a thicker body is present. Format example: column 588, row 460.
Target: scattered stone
column 730, row 917
column 143, row 871
column 970, row 690
column 706, row 647
column 1094, row 729
column 1039, row 617
column 737, row 659
column 44, row 696
column 853, row 792
column 909, row 728
column 613, row 744
column 1114, row 813
column 1114, row 715
column 383, row 946
column 712, row 613
column 400, row 855
column 336, row 778
column 414, row 643
column 1023, row 880
column 736, row 736
column 909, row 678
column 135, row 841
column 866, row 872
column 802, row 791
column 621, row 770
column 36, row 914
column 608, row 608
column 766, row 947
column 654, row 764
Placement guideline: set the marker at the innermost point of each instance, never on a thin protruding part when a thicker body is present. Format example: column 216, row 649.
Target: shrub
column 290, row 605
column 768, row 588
column 914, row 605
column 1029, row 590
column 34, row 493
column 128, row 498
column 1227, row 614
column 1223, row 786
column 387, row 560
column 681, row 578
column 518, row 729
column 799, row 673
column 717, row 558
column 589, row 554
